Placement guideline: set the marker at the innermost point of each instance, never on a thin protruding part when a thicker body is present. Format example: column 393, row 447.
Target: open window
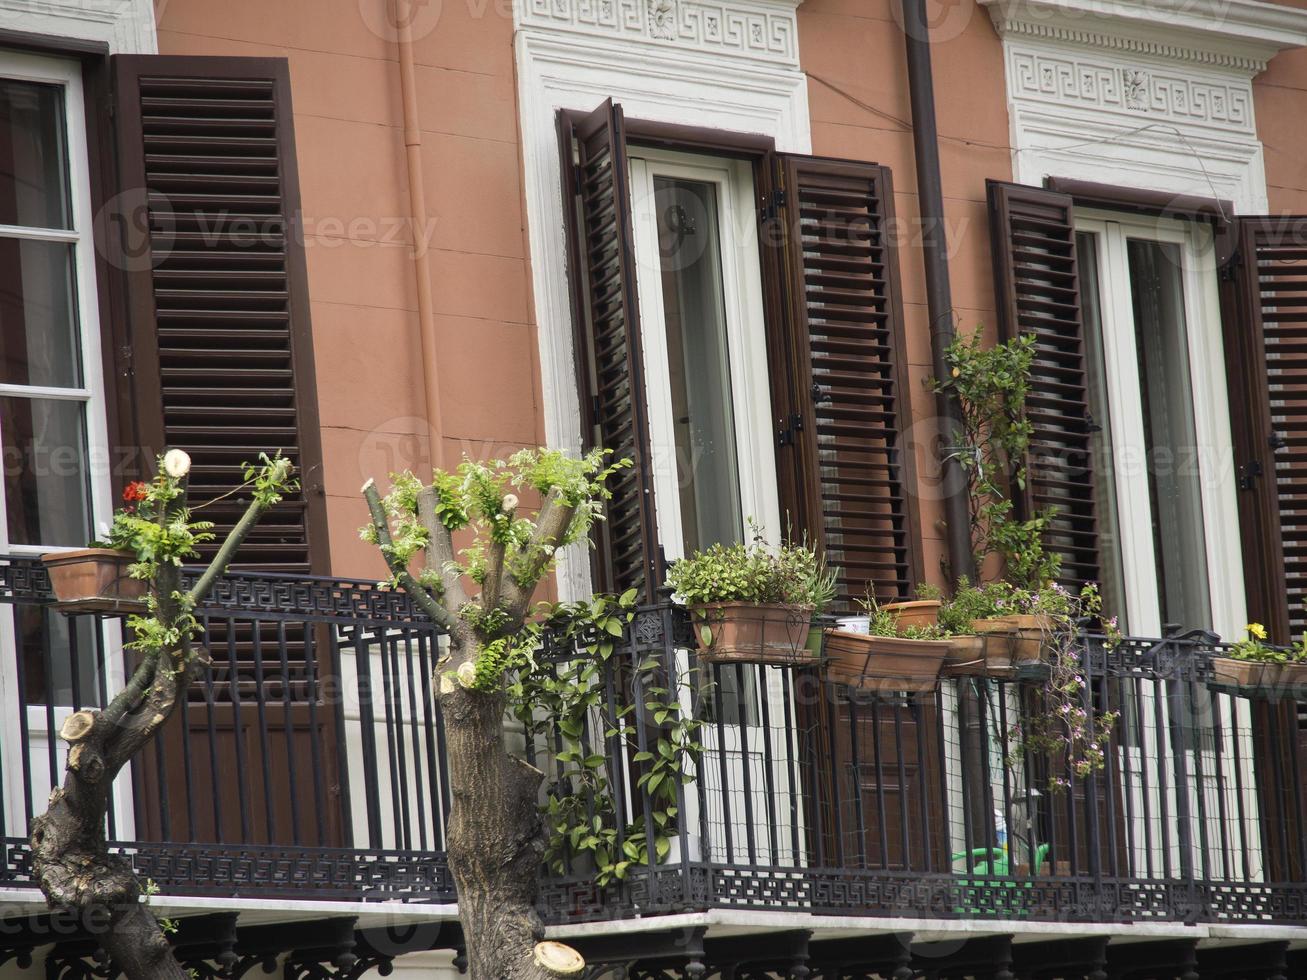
column 739, row 337
column 1169, row 420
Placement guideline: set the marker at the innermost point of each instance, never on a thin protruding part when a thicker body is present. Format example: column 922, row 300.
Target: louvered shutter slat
column 1037, row 285
column 221, row 336
column 608, row 346
column 1264, row 308
column 854, row 495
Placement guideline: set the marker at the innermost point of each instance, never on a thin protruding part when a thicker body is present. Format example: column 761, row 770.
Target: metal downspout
column 939, row 294
column 417, row 196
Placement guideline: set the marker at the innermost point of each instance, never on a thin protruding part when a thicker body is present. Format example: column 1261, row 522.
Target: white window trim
column 733, row 67
column 1211, row 418
column 745, row 338
column 67, row 74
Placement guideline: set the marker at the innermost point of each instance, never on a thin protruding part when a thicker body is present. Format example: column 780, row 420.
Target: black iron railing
column 310, row 762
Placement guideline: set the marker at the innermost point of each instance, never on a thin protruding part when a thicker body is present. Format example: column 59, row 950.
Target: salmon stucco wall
column 854, row 55
column 358, row 234
column 1280, row 103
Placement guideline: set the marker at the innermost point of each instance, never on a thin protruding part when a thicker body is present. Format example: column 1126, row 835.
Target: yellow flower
column 1257, row 631
column 957, row 372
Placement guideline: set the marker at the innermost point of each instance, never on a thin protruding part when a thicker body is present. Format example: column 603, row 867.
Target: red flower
column 134, row 491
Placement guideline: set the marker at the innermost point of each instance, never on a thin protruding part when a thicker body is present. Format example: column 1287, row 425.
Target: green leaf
column 705, row 635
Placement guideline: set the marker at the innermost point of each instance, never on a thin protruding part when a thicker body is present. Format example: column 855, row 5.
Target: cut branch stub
column 77, row 726
column 559, row 958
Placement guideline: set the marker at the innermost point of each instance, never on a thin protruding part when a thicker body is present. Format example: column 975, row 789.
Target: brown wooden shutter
column 609, row 358
column 221, row 346
column 841, row 423
column 1264, row 307
column 1037, row 288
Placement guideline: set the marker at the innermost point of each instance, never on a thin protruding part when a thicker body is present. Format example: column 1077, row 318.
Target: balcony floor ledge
column 260, row 911
column 732, row 922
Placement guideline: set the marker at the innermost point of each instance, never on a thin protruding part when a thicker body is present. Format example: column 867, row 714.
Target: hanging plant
column 991, row 385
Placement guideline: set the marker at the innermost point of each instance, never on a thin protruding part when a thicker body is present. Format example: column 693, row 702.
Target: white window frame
column 1211, row 417
column 746, row 345
column 67, row 75
column 746, row 340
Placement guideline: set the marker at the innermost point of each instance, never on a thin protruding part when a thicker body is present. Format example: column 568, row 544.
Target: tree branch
column 227, row 552
column 493, row 586
column 440, row 552
column 407, row 582
column 552, row 522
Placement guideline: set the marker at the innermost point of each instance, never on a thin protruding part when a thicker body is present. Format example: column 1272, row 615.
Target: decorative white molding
column 1240, row 35
column 762, row 30
column 1155, row 94
column 127, row 26
column 717, row 72
column 1158, row 92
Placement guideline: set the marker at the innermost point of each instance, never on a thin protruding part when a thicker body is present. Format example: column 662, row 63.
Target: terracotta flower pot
column 918, row 613
column 1293, row 680
column 884, row 662
column 1032, row 633
column 746, row 632
column 966, row 656
column 1243, row 674
column 94, row 580
column 1001, row 636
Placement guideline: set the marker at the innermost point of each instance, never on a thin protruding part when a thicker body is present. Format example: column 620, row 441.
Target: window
column 52, row 416
column 739, row 338
column 704, row 349
column 1157, row 412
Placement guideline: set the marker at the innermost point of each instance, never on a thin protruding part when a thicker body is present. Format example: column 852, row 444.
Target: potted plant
column 889, row 656
column 752, row 603
column 1251, row 664
column 1293, row 673
column 917, row 613
column 99, row 578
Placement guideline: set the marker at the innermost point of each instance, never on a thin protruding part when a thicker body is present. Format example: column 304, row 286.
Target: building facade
column 689, row 231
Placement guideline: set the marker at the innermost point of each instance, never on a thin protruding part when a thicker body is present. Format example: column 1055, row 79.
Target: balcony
column 309, row 765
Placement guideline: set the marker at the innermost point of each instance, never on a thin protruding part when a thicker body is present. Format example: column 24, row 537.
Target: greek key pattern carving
column 1147, row 93
column 758, row 30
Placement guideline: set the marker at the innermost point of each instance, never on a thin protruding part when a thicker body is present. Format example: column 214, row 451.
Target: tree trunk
column 494, row 841
column 72, row 864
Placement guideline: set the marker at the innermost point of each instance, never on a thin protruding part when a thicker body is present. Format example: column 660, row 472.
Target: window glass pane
column 46, row 483
column 33, row 157
column 690, row 257
column 1175, row 487
column 38, row 319
column 1104, row 462
column 61, row 657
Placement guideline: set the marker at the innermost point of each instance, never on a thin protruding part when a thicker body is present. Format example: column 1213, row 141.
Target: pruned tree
column 70, row 854
column 494, row 841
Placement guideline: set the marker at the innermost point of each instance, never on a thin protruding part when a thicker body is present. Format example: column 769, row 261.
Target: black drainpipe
column 939, row 295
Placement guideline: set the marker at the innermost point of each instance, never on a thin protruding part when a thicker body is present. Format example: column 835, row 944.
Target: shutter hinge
column 594, row 407
column 784, row 436
column 771, row 204
column 1248, row 473
column 1276, row 441
column 1231, row 265
column 576, row 180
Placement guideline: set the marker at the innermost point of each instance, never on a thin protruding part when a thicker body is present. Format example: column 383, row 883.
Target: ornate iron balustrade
column 310, row 763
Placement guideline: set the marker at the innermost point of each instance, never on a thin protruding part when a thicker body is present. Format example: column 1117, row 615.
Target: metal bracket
column 1248, row 473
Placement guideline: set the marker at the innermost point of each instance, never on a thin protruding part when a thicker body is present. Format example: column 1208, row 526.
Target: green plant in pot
column 1253, row 663
column 893, row 655
column 753, row 603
